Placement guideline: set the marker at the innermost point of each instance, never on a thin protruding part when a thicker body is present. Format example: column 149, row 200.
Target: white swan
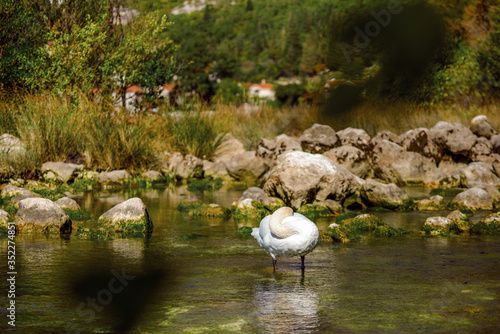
column 286, row 233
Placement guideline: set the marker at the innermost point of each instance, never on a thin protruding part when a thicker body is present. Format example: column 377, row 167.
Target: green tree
column 229, row 92
column 249, row 6
column 293, row 46
column 22, row 39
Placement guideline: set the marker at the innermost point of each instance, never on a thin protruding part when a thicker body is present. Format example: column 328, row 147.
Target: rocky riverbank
column 321, row 173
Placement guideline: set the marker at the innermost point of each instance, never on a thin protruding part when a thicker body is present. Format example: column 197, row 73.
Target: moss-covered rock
column 314, row 210
column 88, row 233
column 192, row 236
column 200, row 185
column 130, row 218
column 194, row 207
column 473, row 199
column 11, row 191
column 434, row 203
column 244, row 231
column 460, row 222
column 489, row 225
column 321, row 209
column 273, row 203
column 345, row 216
column 78, row 215
column 359, row 226
column 248, row 208
column 455, row 223
column 386, row 195
column 86, row 180
column 446, row 192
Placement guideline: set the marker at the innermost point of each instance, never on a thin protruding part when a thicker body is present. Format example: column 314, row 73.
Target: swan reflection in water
column 287, row 308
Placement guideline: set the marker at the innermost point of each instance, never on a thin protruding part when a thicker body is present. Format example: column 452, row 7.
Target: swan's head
column 276, row 223
column 282, row 213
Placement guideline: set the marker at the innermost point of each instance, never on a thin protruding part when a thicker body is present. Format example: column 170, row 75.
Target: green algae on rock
column 321, row 209
column 194, row 207
column 489, row 225
column 434, row 203
column 446, row 192
column 130, row 218
column 455, row 223
column 248, row 208
column 244, row 231
column 208, row 184
column 359, row 226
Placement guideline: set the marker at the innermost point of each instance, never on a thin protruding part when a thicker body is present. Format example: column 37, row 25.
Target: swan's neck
column 276, row 223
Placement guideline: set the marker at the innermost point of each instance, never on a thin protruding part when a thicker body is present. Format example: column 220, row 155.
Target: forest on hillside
column 416, row 51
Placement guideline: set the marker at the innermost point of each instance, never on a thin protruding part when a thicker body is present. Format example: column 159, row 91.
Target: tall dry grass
column 54, row 129
column 376, row 116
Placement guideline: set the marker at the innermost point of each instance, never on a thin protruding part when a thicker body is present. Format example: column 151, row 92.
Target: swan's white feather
column 301, row 243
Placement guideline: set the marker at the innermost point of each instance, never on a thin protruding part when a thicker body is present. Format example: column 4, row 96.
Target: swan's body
column 286, row 233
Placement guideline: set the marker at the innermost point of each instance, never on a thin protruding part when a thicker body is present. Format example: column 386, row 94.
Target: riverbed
column 196, row 275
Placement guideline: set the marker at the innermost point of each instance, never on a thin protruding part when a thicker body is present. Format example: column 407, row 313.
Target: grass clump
column 199, row 209
column 197, row 133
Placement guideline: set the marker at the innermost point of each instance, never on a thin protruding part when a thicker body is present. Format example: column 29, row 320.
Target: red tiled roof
column 169, row 87
column 134, row 89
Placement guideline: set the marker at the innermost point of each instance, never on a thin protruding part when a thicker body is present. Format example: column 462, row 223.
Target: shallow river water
column 196, row 275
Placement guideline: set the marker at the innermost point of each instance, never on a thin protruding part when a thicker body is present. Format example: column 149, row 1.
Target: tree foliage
column 80, row 46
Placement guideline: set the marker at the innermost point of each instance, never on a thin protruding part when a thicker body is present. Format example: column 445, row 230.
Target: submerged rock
column 321, row 209
column 488, row 225
column 248, row 208
column 433, row 203
column 303, row 178
column 195, row 207
column 41, row 216
column 446, row 226
column 361, row 225
column 60, row 171
column 129, row 218
column 388, row 196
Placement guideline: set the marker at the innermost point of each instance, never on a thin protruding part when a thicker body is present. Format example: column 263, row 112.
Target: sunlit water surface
column 219, row 282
